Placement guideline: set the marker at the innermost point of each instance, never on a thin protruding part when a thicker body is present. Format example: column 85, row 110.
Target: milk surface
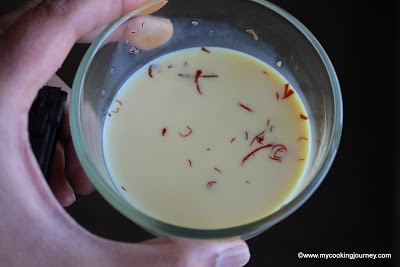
column 207, row 138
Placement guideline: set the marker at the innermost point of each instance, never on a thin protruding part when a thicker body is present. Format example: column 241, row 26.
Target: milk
column 207, row 138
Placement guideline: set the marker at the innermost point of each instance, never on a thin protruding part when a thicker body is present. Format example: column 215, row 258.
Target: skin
column 35, row 229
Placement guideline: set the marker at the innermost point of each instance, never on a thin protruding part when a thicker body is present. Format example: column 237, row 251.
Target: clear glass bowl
column 276, row 37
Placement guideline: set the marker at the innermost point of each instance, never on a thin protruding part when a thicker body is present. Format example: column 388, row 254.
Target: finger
column 156, row 29
column 144, row 32
column 147, row 32
column 73, row 171
column 148, row 8
column 57, row 180
column 45, row 34
column 199, row 253
column 8, row 19
column 168, row 251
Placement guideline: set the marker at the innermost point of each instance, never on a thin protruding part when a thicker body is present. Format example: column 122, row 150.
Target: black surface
column 356, row 207
column 44, row 124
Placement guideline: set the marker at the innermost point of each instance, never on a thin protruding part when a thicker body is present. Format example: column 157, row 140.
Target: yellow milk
column 207, row 138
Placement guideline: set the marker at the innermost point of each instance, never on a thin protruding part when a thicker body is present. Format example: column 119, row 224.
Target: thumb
column 177, row 252
column 36, row 43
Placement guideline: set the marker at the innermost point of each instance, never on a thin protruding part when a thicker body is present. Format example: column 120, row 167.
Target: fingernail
column 68, row 197
column 70, row 200
column 234, row 257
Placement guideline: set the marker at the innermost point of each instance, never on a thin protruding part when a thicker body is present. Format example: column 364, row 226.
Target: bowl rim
column 160, row 228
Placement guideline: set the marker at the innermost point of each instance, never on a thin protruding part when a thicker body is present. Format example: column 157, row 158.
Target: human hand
column 34, row 228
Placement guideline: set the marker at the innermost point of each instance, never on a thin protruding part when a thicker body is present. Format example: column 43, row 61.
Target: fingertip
column 78, row 180
column 68, row 199
column 62, row 190
column 75, row 174
column 57, row 180
column 236, row 254
column 232, row 252
column 147, row 32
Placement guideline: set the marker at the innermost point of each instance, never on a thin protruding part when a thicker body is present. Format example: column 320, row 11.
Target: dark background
column 356, row 207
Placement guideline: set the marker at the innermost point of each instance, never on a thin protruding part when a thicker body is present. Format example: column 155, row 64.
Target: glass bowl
column 255, row 27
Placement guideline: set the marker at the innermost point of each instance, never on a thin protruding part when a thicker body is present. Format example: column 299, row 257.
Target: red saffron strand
column 233, row 140
column 271, row 128
column 205, row 50
column 252, row 153
column 211, row 184
column 276, row 152
column 252, row 33
column 190, row 163
column 258, row 138
column 245, row 107
column 196, row 81
column 188, row 133
column 304, row 117
column 217, row 170
column 246, row 134
column 288, row 92
column 150, row 71
column 164, row 131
